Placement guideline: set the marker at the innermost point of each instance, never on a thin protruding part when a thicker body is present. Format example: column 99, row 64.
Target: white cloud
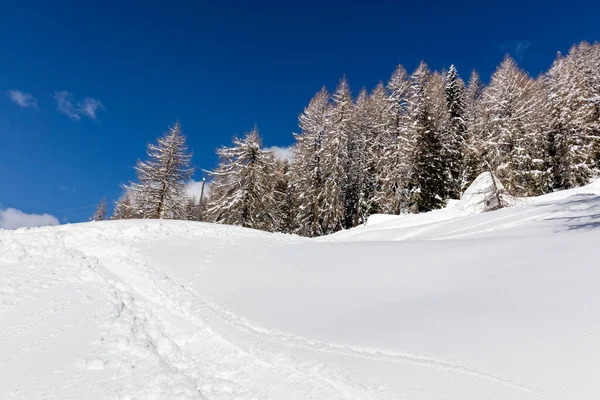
column 12, row 218
column 75, row 110
column 194, row 189
column 282, row 153
column 520, row 48
column 67, row 188
column 22, row 99
column 90, row 107
column 64, row 104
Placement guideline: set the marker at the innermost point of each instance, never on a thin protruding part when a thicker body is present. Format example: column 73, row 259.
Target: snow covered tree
column 335, row 161
column 427, row 179
column 284, row 198
column 514, row 141
column 397, row 144
column 573, row 119
column 358, row 132
column 100, row 213
column 160, row 190
column 455, row 135
column 307, row 177
column 473, row 161
column 191, row 211
column 125, row 207
column 242, row 187
column 375, row 125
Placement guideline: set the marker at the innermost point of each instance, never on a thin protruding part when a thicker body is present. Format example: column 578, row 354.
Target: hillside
column 443, row 305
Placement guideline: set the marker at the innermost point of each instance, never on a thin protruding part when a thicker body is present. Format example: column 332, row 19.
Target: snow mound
column 486, row 193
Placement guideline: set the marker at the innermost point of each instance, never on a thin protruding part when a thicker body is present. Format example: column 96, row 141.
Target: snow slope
column 444, row 305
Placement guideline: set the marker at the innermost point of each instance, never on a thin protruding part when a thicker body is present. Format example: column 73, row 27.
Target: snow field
column 444, row 305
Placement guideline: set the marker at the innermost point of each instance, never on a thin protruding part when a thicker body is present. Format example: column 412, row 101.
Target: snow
column 445, row 305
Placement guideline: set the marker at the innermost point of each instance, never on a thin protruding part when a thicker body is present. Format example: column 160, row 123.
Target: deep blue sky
column 220, row 67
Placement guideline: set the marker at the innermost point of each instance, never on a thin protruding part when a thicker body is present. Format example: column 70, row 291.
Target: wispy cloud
column 67, row 188
column 66, row 104
column 517, row 48
column 90, row 107
column 11, row 218
column 520, row 48
column 22, row 99
column 282, row 153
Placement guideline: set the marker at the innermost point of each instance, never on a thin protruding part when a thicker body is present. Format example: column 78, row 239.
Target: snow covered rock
column 486, row 193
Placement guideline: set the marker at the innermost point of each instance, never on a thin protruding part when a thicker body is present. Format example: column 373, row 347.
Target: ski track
column 220, row 354
column 284, row 367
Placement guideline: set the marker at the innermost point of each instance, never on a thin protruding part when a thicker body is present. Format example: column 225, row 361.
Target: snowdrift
column 444, row 305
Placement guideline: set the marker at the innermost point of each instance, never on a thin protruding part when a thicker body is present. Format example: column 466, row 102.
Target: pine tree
column 242, row 187
column 160, row 190
column 427, row 180
column 100, row 213
column 455, row 136
column 335, row 161
column 307, row 175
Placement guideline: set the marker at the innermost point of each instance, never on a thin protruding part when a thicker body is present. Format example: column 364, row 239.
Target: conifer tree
column 100, row 213
column 160, row 190
column 336, row 200
column 242, row 187
column 473, row 160
column 284, row 199
column 455, row 136
column 573, row 119
column 427, row 180
column 307, row 166
column 377, row 142
column 125, row 207
column 513, row 135
column 357, row 171
column 398, row 144
column 191, row 212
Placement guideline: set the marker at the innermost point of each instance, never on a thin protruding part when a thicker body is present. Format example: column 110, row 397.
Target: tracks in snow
column 228, row 363
column 175, row 343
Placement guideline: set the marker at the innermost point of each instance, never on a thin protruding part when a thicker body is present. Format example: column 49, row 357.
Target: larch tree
column 376, row 135
column 573, row 119
column 307, row 177
column 473, row 160
column 160, row 189
column 284, row 198
column 242, row 191
column 125, row 207
column 335, row 160
column 513, row 137
column 100, row 212
column 357, row 170
column 397, row 144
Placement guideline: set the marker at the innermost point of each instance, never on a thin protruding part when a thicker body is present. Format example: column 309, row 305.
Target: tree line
column 406, row 147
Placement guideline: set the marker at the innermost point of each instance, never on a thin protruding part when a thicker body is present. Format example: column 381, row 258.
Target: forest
column 408, row 146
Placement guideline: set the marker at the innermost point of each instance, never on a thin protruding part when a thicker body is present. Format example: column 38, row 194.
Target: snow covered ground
column 444, row 305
